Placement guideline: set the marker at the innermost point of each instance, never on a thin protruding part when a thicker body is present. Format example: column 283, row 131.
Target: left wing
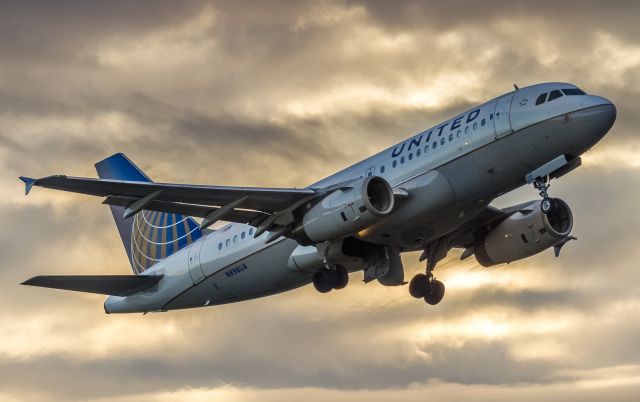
column 237, row 204
column 257, row 198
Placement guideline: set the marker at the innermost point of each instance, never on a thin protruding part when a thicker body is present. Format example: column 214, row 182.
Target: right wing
column 467, row 235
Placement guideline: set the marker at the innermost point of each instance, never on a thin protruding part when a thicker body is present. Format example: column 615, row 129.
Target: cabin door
column 195, row 269
column 501, row 118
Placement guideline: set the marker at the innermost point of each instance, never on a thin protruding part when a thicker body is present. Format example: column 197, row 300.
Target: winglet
column 28, row 183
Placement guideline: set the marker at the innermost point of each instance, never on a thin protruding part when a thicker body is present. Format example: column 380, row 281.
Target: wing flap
column 114, row 285
column 236, row 215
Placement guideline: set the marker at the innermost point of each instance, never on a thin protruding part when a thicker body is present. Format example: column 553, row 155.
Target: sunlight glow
column 500, row 324
column 612, row 157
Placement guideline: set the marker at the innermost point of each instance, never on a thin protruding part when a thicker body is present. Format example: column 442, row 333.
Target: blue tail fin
column 148, row 236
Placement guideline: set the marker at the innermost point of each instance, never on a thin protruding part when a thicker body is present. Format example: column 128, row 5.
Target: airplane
column 430, row 193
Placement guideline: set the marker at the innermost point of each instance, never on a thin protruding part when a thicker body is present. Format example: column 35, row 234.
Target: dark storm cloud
column 52, row 374
column 586, row 16
column 63, row 31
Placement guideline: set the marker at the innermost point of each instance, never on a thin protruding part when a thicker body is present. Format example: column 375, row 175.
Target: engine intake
column 525, row 233
column 346, row 211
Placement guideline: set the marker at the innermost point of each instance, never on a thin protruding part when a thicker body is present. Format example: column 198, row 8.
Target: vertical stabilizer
column 147, row 236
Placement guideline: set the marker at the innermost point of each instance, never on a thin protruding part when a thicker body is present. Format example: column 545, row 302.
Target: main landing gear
column 548, row 204
column 330, row 277
column 426, row 286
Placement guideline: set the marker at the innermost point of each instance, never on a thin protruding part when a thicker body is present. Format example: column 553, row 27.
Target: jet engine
column 346, row 211
column 525, row 233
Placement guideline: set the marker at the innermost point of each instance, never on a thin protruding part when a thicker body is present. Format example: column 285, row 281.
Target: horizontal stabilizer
column 115, row 285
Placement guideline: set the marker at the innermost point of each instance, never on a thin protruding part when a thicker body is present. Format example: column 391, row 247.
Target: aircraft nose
column 595, row 100
column 603, row 114
column 612, row 111
column 607, row 109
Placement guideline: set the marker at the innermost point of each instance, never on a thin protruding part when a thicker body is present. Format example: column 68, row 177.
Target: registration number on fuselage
column 236, row 270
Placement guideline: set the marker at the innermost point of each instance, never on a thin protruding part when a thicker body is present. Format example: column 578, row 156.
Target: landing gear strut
column 542, row 185
column 330, row 277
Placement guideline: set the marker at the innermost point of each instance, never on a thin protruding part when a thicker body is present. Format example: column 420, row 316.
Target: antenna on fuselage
column 516, row 87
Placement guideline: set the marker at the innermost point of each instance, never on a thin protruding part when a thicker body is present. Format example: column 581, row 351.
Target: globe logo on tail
column 157, row 235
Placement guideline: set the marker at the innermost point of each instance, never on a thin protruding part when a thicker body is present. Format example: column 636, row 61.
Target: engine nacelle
column 524, row 234
column 346, row 211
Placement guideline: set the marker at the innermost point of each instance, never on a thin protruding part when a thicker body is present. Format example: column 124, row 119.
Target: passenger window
column 410, row 155
column 242, row 235
column 491, row 116
column 482, row 122
column 475, row 126
column 442, row 141
column 418, row 152
column 466, row 130
column 228, row 242
column 435, row 144
column 381, row 169
column 458, row 133
column 235, row 238
column 555, row 94
column 426, row 149
column 395, row 163
column 450, row 137
column 573, row 91
column 402, row 159
column 251, row 231
column 541, row 99
column 220, row 246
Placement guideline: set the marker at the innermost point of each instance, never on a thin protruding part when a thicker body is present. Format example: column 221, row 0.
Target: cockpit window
column 555, row 94
column 541, row 99
column 573, row 91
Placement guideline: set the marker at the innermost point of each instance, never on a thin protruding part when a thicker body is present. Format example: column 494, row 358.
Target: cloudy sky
column 276, row 93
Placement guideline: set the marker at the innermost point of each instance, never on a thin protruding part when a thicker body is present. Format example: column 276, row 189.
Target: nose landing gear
column 553, row 169
column 548, row 204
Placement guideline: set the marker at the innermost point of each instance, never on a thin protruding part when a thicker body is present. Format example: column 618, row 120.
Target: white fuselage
column 469, row 160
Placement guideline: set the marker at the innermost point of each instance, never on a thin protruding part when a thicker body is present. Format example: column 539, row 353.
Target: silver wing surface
column 248, row 204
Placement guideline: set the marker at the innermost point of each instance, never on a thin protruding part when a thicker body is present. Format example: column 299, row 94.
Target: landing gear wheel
column 419, row 286
column 324, row 280
column 436, row 293
column 341, row 277
column 547, row 205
